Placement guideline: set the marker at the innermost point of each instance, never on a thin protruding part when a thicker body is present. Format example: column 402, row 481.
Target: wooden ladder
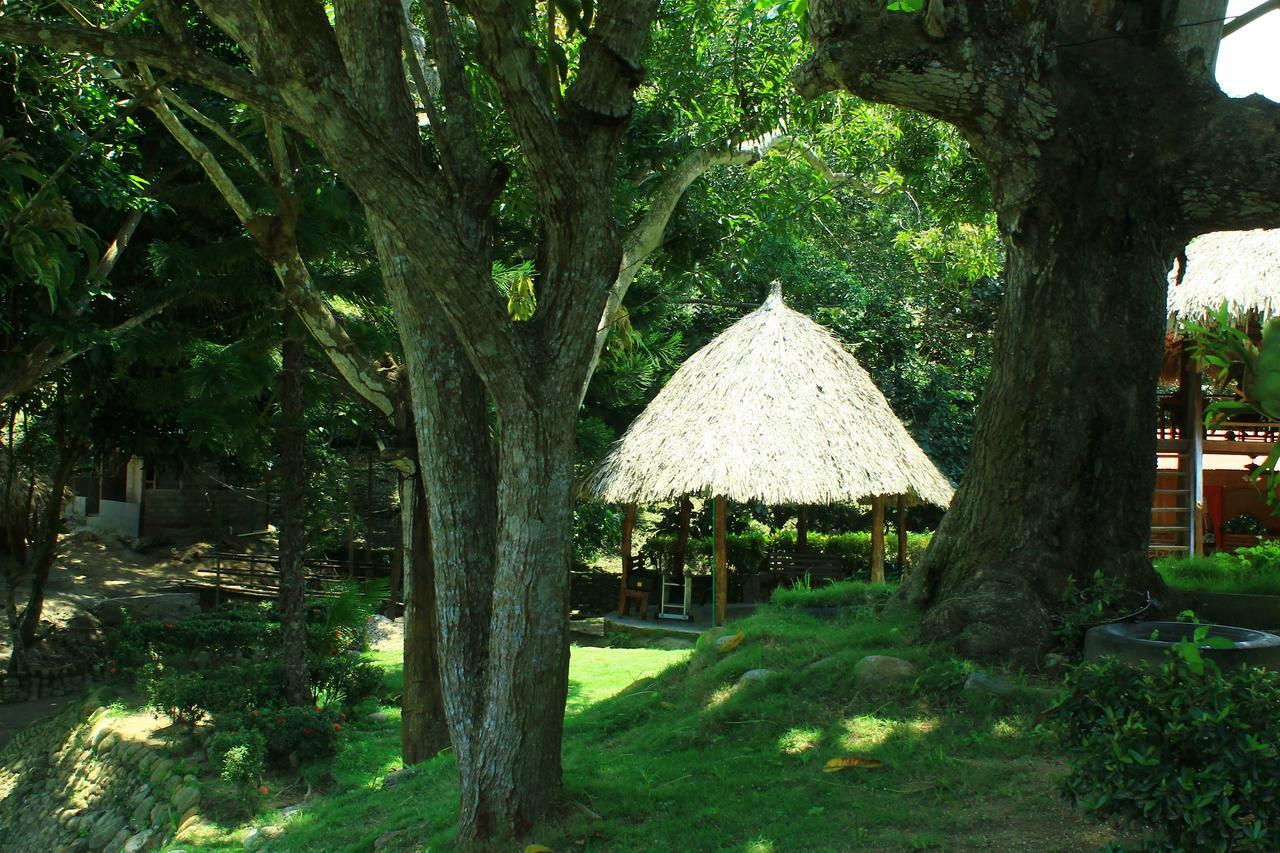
column 1171, row 522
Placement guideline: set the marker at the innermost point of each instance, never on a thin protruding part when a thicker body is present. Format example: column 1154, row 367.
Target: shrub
column 296, row 730
column 177, row 694
column 345, row 679
column 239, row 756
column 1099, row 600
column 1182, row 747
column 747, row 552
column 223, row 664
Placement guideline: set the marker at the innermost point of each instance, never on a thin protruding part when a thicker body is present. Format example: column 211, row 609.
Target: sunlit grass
column 663, row 752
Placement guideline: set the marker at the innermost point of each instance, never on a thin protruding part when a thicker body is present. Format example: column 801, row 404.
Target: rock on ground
column 882, row 669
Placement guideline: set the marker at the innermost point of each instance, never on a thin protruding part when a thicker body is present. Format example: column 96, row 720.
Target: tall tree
column 290, row 439
column 1108, row 145
column 511, row 114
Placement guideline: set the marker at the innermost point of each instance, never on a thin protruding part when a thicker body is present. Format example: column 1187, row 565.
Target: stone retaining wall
column 88, row 780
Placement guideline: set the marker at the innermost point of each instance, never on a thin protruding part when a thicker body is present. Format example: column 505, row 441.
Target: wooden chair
column 637, row 588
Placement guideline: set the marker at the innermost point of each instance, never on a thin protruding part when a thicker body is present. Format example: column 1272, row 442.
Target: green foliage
column 348, row 608
column 748, row 551
column 1101, row 599
column 223, row 665
column 240, row 757
column 1182, row 748
column 1249, row 571
column 670, row 754
column 1253, row 373
column 850, row 593
column 304, row 731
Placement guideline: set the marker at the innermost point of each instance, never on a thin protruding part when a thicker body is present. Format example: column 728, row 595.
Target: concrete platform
column 654, row 626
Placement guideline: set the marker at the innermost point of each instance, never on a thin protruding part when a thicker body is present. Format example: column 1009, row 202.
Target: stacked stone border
column 80, row 782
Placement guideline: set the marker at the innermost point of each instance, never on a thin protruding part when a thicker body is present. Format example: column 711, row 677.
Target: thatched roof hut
column 774, row 409
column 1240, row 268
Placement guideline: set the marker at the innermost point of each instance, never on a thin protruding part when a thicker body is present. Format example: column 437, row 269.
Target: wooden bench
column 790, row 567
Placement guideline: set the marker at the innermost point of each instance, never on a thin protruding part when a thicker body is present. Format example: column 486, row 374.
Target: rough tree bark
column 498, row 491
column 1108, row 146
column 290, row 441
column 44, row 549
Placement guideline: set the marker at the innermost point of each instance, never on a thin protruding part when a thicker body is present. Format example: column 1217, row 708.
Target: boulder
column 395, row 777
column 164, row 605
column 138, row 843
column 753, row 676
column 105, row 830
column 379, row 628
column 984, row 683
column 875, row 670
column 185, row 797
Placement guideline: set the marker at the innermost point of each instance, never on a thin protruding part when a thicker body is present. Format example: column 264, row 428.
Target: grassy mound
column 670, row 750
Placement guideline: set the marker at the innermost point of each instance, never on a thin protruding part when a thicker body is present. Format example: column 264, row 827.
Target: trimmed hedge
column 748, row 552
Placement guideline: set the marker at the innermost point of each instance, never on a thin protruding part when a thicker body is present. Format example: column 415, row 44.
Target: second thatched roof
column 774, row 409
column 1240, row 268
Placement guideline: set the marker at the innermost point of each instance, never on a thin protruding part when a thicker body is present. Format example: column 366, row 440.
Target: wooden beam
column 628, row 523
column 682, row 538
column 902, row 534
column 802, row 529
column 722, row 562
column 877, row 539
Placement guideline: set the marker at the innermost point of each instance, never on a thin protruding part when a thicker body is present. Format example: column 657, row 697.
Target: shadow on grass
column 666, row 751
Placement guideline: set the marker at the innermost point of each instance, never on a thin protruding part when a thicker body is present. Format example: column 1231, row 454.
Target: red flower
column 262, row 790
column 113, row 670
column 337, row 727
column 253, row 711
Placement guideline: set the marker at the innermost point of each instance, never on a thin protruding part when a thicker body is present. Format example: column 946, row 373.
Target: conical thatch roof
column 1240, row 268
column 774, row 409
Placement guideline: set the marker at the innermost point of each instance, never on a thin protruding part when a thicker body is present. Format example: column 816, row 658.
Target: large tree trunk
column 423, row 732
column 293, row 474
column 517, row 774
column 458, row 470
column 1060, row 479
column 1068, row 104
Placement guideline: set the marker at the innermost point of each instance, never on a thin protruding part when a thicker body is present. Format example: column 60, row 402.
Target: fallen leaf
column 835, row 765
column 668, row 705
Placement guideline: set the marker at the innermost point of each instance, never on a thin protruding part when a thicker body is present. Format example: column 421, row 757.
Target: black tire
column 1132, row 642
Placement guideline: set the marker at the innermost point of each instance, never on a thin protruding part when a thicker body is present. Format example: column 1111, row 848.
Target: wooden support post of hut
column 802, row 529
column 722, row 560
column 877, row 539
column 902, row 534
column 628, row 524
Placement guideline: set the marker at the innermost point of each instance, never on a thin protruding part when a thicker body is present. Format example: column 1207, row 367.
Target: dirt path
column 89, row 570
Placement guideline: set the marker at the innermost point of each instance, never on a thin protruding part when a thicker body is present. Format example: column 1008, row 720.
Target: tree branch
column 645, row 237
column 1241, row 21
column 41, row 360
column 1231, row 175
column 190, row 64
column 968, row 74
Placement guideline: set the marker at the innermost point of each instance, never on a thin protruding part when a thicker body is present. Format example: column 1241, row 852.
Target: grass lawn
column 1220, row 573
column 664, row 751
